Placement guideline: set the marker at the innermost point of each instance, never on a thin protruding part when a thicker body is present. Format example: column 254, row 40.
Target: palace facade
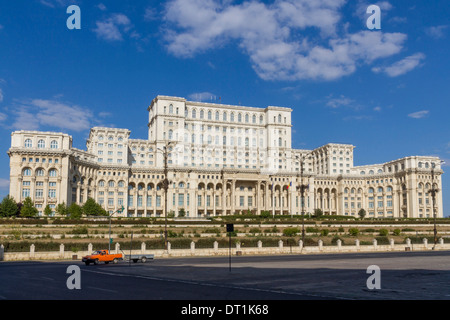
column 219, row 160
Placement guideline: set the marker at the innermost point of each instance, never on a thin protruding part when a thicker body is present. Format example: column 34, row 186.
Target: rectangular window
column 241, row 201
column 199, row 201
column 139, row 201
column 158, row 201
column 149, row 201
column 110, row 201
column 181, row 200
column 39, row 193
column 52, row 193
column 130, row 200
column 25, row 193
column 250, row 201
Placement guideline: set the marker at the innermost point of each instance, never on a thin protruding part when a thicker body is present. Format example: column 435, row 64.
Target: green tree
column 74, row 211
column 362, row 213
column 48, row 211
column 181, row 212
column 318, row 213
column 92, row 208
column 265, row 214
column 8, row 207
column 28, row 210
column 62, row 209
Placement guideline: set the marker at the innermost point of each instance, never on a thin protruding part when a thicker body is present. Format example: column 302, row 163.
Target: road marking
column 219, row 285
column 101, row 289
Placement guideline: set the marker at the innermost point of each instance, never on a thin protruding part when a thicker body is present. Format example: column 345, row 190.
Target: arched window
column 194, row 113
column 170, row 109
column 40, row 172
column 380, row 190
column 26, row 172
column 202, row 114
column 121, row 184
column 254, row 119
column 239, row 117
column 246, row 118
column 371, row 172
column 111, row 184
column 217, row 116
column 170, row 134
column 41, row 144
column 101, row 183
column 54, row 144
column 181, row 185
column 224, row 116
column 209, row 115
column 362, row 173
column 371, row 190
column 28, row 143
column 279, row 118
column 52, row 173
column 261, row 119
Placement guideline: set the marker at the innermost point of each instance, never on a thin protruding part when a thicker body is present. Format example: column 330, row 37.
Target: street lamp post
column 120, row 210
column 166, row 188
column 302, row 187
column 433, row 192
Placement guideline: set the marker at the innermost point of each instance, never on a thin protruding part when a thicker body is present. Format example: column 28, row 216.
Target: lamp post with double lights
column 302, row 188
column 165, row 183
column 433, row 192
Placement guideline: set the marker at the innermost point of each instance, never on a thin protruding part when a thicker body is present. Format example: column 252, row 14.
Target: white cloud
column 1, row 95
column 202, row 97
column 339, row 102
column 58, row 3
column 34, row 114
column 436, row 32
column 403, row 66
column 113, row 28
column 286, row 40
column 101, row 6
column 4, row 183
column 419, row 114
column 3, row 116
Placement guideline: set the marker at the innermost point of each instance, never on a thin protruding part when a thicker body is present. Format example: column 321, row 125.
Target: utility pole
column 433, row 192
column 302, row 187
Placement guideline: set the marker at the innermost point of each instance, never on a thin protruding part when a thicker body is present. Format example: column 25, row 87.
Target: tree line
column 9, row 208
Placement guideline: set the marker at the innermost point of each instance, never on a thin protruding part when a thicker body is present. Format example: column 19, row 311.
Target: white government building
column 221, row 160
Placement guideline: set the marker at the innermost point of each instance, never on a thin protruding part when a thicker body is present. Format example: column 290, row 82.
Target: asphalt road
column 403, row 276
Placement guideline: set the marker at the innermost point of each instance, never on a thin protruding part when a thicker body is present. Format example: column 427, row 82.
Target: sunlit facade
column 221, row 160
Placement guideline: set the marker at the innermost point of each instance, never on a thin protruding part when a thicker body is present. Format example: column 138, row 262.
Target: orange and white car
column 101, row 256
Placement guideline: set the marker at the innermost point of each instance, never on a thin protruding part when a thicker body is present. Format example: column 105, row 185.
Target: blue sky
column 384, row 91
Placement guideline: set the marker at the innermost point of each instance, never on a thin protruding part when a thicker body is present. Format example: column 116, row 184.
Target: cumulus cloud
column 403, row 66
column 202, row 96
column 436, row 32
column 4, row 184
column 113, row 27
column 37, row 113
column 286, row 40
column 58, row 3
column 419, row 114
